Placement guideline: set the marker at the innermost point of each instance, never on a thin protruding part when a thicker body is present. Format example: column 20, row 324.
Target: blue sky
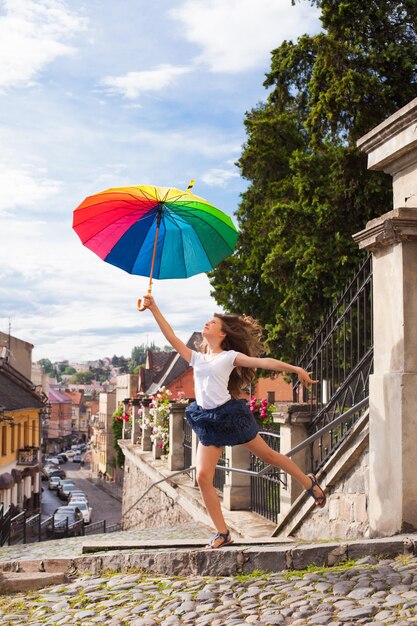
column 107, row 93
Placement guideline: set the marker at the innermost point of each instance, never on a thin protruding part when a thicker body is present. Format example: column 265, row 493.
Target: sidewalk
column 112, row 489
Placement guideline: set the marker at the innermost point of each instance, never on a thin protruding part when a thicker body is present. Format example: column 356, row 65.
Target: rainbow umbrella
column 160, row 232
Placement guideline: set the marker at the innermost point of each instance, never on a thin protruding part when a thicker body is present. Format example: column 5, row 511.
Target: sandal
column 227, row 540
column 320, row 500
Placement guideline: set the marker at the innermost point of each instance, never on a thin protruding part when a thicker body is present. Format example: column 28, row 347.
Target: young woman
column 224, row 367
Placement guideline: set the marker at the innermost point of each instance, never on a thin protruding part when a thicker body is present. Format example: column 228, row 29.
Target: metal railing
column 351, row 393
column 19, row 530
column 219, row 475
column 265, row 490
column 342, row 344
column 267, row 468
column 5, row 519
column 188, row 443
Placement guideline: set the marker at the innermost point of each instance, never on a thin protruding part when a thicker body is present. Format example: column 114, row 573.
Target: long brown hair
column 243, row 334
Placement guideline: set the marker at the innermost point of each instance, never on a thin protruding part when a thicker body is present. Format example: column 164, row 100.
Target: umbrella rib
column 134, row 210
column 212, row 227
column 127, row 193
column 170, row 216
column 115, row 222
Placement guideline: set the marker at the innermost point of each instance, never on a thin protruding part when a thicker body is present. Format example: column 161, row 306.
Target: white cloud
column 238, row 35
column 133, row 84
column 25, row 188
column 32, row 35
column 218, row 177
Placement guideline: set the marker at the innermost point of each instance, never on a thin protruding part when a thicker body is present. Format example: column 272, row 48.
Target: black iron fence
column 188, row 443
column 21, row 530
column 341, row 358
column 342, row 343
column 265, row 490
column 220, row 475
column 5, row 519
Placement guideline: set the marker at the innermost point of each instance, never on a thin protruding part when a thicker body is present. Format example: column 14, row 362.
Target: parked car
column 53, row 482
column 62, row 457
column 49, row 463
column 77, row 494
column 52, row 459
column 48, row 469
column 66, row 522
column 55, row 472
column 66, row 490
column 76, row 458
column 65, row 482
column 84, row 508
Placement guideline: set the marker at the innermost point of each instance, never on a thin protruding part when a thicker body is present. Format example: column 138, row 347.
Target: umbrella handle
column 141, row 307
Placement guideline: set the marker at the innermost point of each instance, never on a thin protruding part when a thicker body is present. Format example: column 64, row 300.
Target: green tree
column 82, row 378
column 310, row 190
column 47, row 366
column 68, row 371
column 121, row 362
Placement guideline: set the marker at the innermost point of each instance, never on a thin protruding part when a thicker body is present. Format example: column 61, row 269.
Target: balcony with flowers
column 27, row 456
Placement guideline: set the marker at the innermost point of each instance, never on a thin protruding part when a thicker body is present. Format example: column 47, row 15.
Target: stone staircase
column 303, row 514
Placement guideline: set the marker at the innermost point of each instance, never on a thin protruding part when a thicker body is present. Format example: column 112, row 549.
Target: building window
column 271, row 397
column 26, row 434
column 34, row 441
column 19, row 436
column 3, row 440
column 12, row 439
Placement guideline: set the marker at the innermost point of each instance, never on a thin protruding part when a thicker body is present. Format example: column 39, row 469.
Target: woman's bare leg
column 261, row 449
column 207, row 457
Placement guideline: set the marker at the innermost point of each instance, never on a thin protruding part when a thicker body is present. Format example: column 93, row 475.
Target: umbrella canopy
column 159, row 232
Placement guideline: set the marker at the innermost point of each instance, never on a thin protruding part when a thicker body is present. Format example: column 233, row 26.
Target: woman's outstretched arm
column 166, row 329
column 242, row 360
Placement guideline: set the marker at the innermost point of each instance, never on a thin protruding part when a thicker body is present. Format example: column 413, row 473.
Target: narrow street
column 104, row 506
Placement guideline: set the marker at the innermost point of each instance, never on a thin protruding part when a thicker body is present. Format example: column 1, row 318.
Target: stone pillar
column 156, row 449
column 392, row 239
column 194, row 446
column 136, row 430
column 176, row 437
column 293, row 420
column 146, row 441
column 236, row 491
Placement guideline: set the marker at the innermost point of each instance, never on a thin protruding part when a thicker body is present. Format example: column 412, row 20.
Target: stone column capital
column 393, row 227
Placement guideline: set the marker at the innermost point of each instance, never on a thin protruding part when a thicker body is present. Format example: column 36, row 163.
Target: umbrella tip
column 191, row 185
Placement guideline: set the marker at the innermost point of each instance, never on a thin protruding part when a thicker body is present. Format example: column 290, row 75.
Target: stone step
column 237, row 558
column 99, row 546
column 11, row 582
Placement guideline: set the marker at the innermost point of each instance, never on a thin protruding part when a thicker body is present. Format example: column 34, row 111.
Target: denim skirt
column 230, row 424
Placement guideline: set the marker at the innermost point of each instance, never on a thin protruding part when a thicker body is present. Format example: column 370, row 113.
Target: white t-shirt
column 211, row 377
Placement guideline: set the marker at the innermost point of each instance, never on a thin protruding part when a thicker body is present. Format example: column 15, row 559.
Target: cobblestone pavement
column 366, row 592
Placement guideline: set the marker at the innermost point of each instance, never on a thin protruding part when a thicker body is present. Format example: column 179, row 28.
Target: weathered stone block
column 334, row 507
column 216, row 562
column 360, row 508
column 306, row 555
column 265, row 559
column 386, row 547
